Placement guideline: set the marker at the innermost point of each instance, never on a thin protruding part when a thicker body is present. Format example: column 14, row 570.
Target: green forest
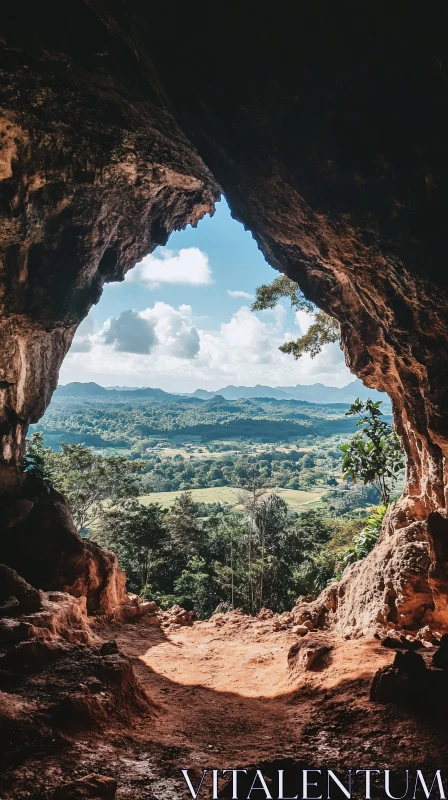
column 106, row 457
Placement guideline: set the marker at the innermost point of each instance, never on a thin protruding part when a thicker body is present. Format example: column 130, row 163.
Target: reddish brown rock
column 13, row 630
column 32, row 656
column 308, row 653
column 45, row 548
column 401, row 583
column 110, row 140
column 16, row 594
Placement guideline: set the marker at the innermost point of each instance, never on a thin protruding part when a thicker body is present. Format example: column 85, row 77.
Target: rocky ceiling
column 326, row 127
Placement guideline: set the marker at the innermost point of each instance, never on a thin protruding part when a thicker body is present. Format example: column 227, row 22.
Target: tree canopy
column 89, row 482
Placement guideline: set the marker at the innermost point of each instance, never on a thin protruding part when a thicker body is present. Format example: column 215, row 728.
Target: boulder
column 13, row 630
column 61, row 616
column 176, row 615
column 32, row 656
column 9, row 607
column 402, row 642
column 300, row 630
column 308, row 653
column 265, row 613
column 407, row 681
column 58, row 558
column 14, row 590
column 109, row 648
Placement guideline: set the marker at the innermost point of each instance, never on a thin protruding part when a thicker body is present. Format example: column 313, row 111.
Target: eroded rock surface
column 54, row 690
column 111, row 139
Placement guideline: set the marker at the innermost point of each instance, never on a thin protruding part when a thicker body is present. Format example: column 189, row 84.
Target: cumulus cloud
column 239, row 293
column 244, row 339
column 130, row 332
column 243, row 350
column 159, row 329
column 175, row 331
column 187, row 266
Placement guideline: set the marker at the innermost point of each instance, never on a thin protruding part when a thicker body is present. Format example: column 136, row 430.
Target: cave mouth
column 326, row 131
column 336, row 172
column 129, row 329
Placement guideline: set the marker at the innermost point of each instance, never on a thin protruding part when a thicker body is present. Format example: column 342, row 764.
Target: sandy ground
column 223, row 698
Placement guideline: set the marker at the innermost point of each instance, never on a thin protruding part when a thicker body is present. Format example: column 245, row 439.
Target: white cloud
column 187, row 266
column 239, row 293
column 244, row 339
column 303, row 321
column 83, row 340
column 130, row 332
column 161, row 329
column 175, row 332
column 244, row 351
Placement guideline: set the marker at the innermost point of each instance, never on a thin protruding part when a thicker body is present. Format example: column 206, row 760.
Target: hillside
column 189, row 443
column 314, row 393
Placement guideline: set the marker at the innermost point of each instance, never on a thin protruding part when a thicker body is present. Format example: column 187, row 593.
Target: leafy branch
column 324, row 330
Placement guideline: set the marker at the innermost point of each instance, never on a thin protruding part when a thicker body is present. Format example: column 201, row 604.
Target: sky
column 181, row 321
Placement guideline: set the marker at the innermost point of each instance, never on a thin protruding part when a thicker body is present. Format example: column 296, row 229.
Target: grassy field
column 225, row 494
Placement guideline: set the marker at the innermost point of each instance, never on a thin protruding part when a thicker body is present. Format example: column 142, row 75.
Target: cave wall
column 94, row 174
column 326, row 127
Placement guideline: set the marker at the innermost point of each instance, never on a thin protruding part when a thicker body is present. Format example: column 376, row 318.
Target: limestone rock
column 109, row 648
column 9, row 607
column 57, row 558
column 409, row 682
column 176, row 615
column 394, row 586
column 265, row 613
column 13, row 630
column 32, row 656
column 111, row 140
column 300, row 630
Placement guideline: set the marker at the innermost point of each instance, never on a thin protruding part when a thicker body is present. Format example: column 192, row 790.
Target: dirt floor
column 223, row 697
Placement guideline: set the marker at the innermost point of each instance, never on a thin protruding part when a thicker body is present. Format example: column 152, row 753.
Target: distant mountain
column 244, row 392
column 94, row 390
column 81, row 390
column 218, row 403
column 319, row 393
column 203, row 394
column 315, row 393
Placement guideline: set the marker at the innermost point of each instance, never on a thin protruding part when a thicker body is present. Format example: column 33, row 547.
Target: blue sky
column 236, row 264
column 181, row 320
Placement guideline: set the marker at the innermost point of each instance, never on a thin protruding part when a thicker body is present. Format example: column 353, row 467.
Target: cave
column 325, row 127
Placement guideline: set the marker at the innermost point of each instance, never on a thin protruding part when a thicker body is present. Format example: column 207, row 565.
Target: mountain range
column 314, row 393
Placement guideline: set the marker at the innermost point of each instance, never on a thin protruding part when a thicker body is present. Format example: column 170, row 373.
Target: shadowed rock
column 92, row 787
column 111, row 140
